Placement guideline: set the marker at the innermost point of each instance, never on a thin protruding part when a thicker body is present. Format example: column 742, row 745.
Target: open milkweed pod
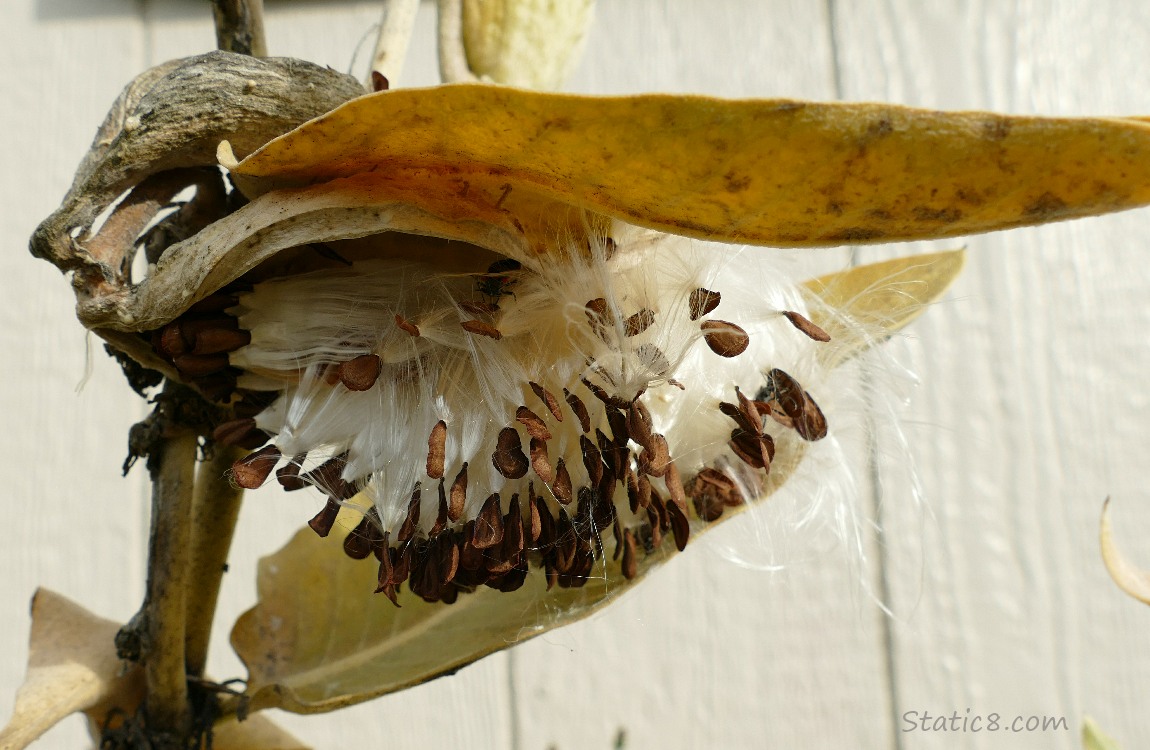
column 462, row 303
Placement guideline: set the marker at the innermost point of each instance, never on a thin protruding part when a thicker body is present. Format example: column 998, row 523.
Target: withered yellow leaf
column 318, row 639
column 862, row 306
column 72, row 667
column 770, row 172
column 1130, row 578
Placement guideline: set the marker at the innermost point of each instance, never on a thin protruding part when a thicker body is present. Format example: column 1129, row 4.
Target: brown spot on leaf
column 1046, row 206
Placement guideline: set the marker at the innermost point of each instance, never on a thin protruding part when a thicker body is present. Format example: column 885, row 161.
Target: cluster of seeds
column 600, row 439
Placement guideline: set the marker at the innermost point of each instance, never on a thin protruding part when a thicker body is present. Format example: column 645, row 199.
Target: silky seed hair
column 533, row 412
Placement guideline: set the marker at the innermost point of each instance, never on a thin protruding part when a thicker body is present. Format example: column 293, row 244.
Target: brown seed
column 534, row 521
column 592, row 460
column 488, row 530
column 220, row 341
column 436, row 450
column 288, row 476
column 359, row 544
column 536, row 428
column 508, row 457
column 539, row 461
column 411, row 522
column 325, row 519
column 169, row 341
column 480, row 328
column 675, row 486
column 242, row 433
column 550, row 401
column 197, row 366
column 607, row 398
column 252, row 471
column 806, row 326
column 562, row 484
column 750, row 412
column 630, row 564
column 642, row 491
column 725, row 339
column 448, row 558
column 406, row 325
column 812, row 425
column 441, row 515
column 639, row 424
column 631, row 482
column 703, row 301
column 360, row 373
column 579, row 408
column 756, row 451
column 806, row 417
column 379, row 81
column 638, row 322
column 680, row 526
column 328, row 476
column 217, row 302
column 566, row 544
column 656, row 458
column 598, row 316
column 458, row 495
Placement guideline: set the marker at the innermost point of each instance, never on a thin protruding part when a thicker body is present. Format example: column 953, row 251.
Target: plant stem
column 215, row 508
column 168, row 576
column 240, row 26
column 394, row 36
column 453, row 67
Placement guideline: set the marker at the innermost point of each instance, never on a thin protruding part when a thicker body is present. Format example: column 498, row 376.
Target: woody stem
column 240, row 26
column 168, row 578
column 215, row 508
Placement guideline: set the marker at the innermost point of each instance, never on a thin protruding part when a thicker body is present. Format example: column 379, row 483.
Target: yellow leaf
column 72, row 666
column 1129, row 578
column 862, row 306
column 318, row 640
column 770, row 172
column 1094, row 738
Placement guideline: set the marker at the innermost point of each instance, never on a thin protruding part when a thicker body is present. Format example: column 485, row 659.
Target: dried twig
column 453, row 67
column 240, row 26
column 395, row 29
